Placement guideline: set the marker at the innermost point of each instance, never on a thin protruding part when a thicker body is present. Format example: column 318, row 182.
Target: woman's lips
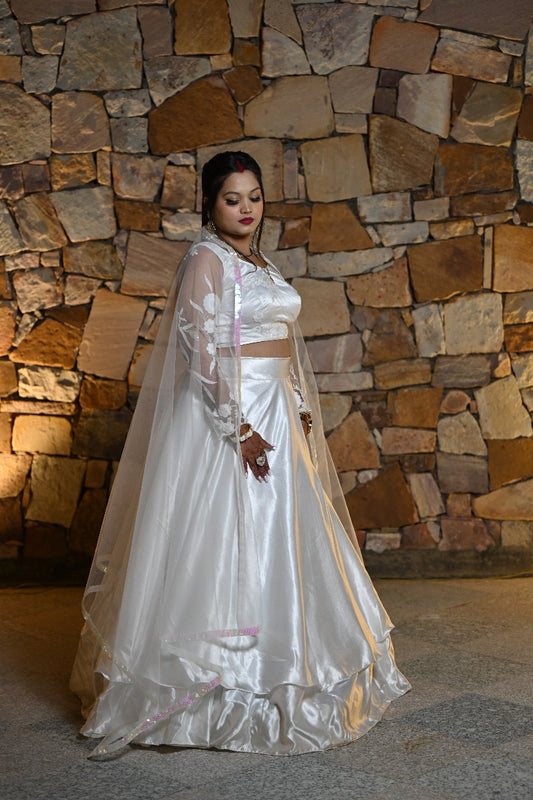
column 246, row 220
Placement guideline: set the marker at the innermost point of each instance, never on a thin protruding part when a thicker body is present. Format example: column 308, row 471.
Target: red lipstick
column 246, row 220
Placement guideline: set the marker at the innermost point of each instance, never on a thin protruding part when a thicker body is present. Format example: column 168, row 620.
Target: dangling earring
column 211, row 225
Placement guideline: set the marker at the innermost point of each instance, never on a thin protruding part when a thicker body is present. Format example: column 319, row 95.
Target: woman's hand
column 305, row 426
column 254, row 455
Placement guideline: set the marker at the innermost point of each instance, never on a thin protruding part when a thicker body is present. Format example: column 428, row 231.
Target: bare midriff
column 277, row 348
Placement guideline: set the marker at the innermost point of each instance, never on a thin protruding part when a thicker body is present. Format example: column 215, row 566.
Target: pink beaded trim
column 224, row 632
column 148, row 723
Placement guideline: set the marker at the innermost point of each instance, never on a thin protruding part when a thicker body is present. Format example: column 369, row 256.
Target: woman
column 227, row 605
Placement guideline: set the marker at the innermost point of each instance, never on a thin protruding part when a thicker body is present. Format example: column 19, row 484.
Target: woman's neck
column 242, row 244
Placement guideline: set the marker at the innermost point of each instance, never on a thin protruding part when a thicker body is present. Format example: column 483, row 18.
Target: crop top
column 269, row 304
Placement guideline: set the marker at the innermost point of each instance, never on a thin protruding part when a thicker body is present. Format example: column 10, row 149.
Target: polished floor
column 464, row 732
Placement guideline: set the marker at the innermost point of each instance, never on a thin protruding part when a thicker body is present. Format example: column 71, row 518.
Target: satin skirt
column 321, row 671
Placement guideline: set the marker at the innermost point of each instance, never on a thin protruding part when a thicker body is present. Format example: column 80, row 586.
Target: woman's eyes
column 230, row 202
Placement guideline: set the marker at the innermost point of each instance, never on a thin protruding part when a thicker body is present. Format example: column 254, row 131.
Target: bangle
column 247, row 433
column 307, row 417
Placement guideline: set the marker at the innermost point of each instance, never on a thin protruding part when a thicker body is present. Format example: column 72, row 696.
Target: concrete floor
column 464, row 732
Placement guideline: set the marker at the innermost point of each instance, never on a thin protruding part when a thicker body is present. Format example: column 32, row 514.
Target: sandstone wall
column 397, row 146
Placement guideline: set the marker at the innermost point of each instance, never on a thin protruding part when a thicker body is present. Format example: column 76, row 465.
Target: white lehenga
column 220, row 611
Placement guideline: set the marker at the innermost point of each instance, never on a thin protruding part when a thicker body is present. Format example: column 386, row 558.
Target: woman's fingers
column 254, row 456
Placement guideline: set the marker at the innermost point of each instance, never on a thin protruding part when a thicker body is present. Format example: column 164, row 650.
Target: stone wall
column 397, row 146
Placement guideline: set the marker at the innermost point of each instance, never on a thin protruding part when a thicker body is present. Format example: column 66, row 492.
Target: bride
column 227, row 604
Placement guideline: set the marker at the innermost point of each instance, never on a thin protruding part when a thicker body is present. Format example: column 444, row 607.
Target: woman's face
column 239, row 206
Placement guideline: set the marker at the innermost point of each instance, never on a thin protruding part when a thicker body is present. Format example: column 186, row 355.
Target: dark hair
column 215, row 172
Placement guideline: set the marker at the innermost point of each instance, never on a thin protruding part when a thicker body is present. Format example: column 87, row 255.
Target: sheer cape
column 139, row 631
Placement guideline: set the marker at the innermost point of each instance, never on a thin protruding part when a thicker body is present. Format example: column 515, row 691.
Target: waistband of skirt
column 263, row 369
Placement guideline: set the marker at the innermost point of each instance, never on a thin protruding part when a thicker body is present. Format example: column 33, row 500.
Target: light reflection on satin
column 321, row 670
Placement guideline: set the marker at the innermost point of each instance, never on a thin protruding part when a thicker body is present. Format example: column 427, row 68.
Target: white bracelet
column 247, row 434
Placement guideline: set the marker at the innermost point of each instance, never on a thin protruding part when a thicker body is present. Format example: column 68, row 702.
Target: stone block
column 460, row 433
column 202, row 26
column 24, row 126
column 139, row 365
column 295, row 233
column 291, row 263
column 488, row 116
column 426, row 494
column 482, row 204
column 129, row 103
column 334, row 409
column 324, row 307
column 518, row 308
column 502, row 414
column 431, row 210
column 36, row 177
column 429, row 329
column 510, row 21
column 40, row 10
column 8, row 378
column 336, row 354
column 390, row 340
column 417, row 537
column 388, row 207
column 87, row 521
column 344, row 381
column 38, row 223
column 7, row 328
column 513, row 269
column 46, row 383
column 415, row 408
column 99, row 394
column 182, row 226
column 71, row 171
column 397, row 441
column 352, row 89
column 462, row 474
column 129, row 134
column 37, row 289
column 522, row 366
column 402, row 46
column 41, row 434
column 13, row 473
column 509, row 460
column 352, row 445
column 151, row 264
column 519, row 338
column 179, row 188
column 281, row 55
column 337, row 265
column 277, row 111
column 462, row 58
column 10, row 241
column 102, row 52
column 334, row 228
column 168, row 75
column 11, row 183
column 513, row 502
column 408, row 372
column 56, row 484
column 462, row 371
column 336, row 168
column 201, row 114
column 95, row 474
column 10, row 69
column 425, row 101
column 441, row 269
column 517, row 534
column 465, row 534
column 101, row 434
column 472, row 168
column 110, row 335
column 137, row 216
column 335, row 35
column 94, row 259
column 395, row 234
column 380, row 542
column 156, row 29
column 280, row 14
column 49, row 344
column 86, row 213
column 459, row 505
column 48, row 39
column 383, row 502
column 401, row 155
column 79, row 123
column 473, row 324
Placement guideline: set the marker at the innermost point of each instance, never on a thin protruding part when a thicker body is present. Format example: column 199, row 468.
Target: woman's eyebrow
column 250, row 192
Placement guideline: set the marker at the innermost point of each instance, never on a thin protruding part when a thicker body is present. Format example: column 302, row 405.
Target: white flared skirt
column 320, row 671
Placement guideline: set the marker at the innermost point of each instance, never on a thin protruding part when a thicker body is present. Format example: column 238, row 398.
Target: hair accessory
column 239, row 165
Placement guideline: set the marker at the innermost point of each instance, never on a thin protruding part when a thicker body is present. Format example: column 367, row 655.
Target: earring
column 211, row 225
